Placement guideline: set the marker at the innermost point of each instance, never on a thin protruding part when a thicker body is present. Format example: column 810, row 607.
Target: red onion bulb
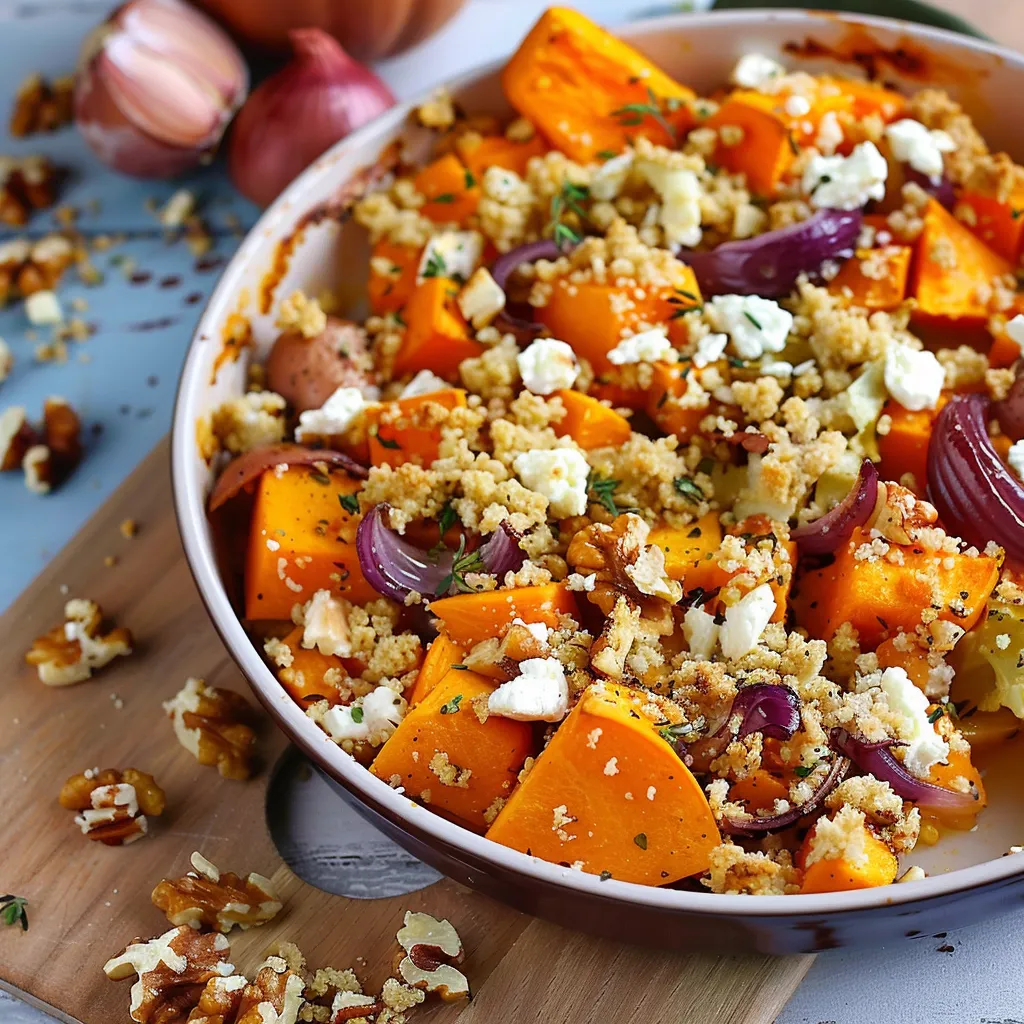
column 295, row 115
column 158, row 84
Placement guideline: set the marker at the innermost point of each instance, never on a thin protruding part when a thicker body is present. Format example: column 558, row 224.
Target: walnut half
column 208, row 898
column 432, row 947
column 113, row 805
column 71, row 652
column 209, row 724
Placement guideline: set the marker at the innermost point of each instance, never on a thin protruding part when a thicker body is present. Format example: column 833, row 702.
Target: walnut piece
column 172, row 971
column 899, row 515
column 71, row 652
column 113, row 805
column 431, row 949
column 27, row 183
column 209, row 725
column 273, row 997
column 42, row 106
column 16, row 437
column 47, row 456
column 27, row 267
column 208, row 898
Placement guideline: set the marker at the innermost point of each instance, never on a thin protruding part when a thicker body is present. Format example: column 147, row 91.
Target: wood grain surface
column 87, row 900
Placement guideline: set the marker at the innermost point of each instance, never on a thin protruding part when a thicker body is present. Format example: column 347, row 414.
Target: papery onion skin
column 878, row 760
column 296, row 115
column 767, row 708
column 769, row 264
column 976, row 496
column 157, row 85
column 395, row 567
column 245, row 468
column 545, row 249
column 835, row 527
column 1010, row 410
column 755, row 825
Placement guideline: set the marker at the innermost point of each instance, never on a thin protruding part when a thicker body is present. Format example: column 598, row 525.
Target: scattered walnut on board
column 71, row 652
column 113, row 805
column 208, row 898
column 48, row 454
column 28, row 266
column 432, row 947
column 210, row 725
column 27, row 183
column 42, row 106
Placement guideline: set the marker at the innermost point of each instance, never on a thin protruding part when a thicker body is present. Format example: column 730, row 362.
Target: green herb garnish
column 452, row 707
column 444, row 197
column 436, row 266
column 602, row 490
column 464, row 562
column 567, row 200
column 349, row 502
column 634, row 113
column 753, row 319
column 357, row 715
column 447, row 517
column 683, row 731
column 13, row 911
column 641, row 840
column 688, row 489
column 470, row 180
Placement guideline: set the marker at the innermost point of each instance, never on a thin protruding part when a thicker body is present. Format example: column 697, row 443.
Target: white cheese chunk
column 581, row 582
column 1015, row 330
column 914, row 378
column 540, row 693
column 607, row 181
column 924, row 746
column 424, row 383
column 547, row 365
column 334, row 417
column 560, row 474
column 1015, row 457
column 710, row 349
column 700, row 631
column 650, row 346
column 680, row 192
column 453, row 254
column 912, row 143
column 371, row 719
column 43, row 308
column 830, row 133
column 846, row 182
column 745, row 621
column 538, row 630
column 756, row 71
column 482, row 299
column 754, row 325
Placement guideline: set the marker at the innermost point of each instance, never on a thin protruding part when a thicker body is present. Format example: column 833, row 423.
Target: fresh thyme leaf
column 567, row 200
column 13, row 911
column 634, row 113
column 684, row 730
column 388, row 442
column 935, row 715
column 349, row 502
column 447, row 517
column 470, row 180
column 444, row 197
column 564, row 235
column 753, row 319
column 436, row 266
column 452, row 707
column 357, row 715
column 602, row 489
column 641, row 840
column 802, row 770
column 605, row 154
column 321, row 478
column 464, row 562
column 793, row 147
column 688, row 489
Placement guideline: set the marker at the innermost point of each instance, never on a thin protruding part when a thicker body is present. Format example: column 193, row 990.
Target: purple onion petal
column 767, row 708
column 755, row 825
column 394, row 567
column 835, row 527
column 770, row 264
column 877, row 759
column 545, row 249
column 977, row 497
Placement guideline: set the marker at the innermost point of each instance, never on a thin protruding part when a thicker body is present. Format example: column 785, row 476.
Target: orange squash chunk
column 392, row 276
column 408, row 430
column 689, row 549
column 301, row 540
column 999, row 224
column 669, row 381
column 479, row 153
column 950, row 267
column 574, row 80
column 879, row 599
column 436, row 336
column 440, row 657
column 949, row 774
column 304, row 678
column 765, row 149
column 646, row 820
column 451, row 191
column 470, row 618
column 445, row 756
column 590, row 423
column 858, row 277
column 913, row 660
column 904, row 449
column 759, row 790
column 593, row 318
column 840, row 875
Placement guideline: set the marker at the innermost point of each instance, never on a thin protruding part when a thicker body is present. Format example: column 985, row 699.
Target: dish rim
column 190, row 503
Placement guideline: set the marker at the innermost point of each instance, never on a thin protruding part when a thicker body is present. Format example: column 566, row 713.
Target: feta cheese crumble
column 754, row 325
column 482, row 299
column 581, row 583
column 914, row 378
column 709, row 349
column 334, row 417
column 756, row 71
column 607, row 181
column 912, row 143
column 680, row 193
column 647, row 347
column 540, row 693
column 745, row 621
column 424, row 383
column 1015, row 456
column 924, row 746
column 1015, row 330
column 547, row 365
column 700, row 631
column 846, row 182
column 453, row 254
column 560, row 474
column 43, row 308
column 370, row 719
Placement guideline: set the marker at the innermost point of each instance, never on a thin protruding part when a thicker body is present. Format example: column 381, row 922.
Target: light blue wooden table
column 125, row 393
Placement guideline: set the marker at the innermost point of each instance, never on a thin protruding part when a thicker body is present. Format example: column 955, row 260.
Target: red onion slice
column 835, row 527
column 395, row 567
column 977, row 497
column 1010, row 411
column 755, row 825
column 249, row 466
column 767, row 708
column 545, row 249
column 770, row 264
column 876, row 759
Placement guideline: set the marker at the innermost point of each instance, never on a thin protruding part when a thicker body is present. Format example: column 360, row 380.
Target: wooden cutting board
column 86, row 901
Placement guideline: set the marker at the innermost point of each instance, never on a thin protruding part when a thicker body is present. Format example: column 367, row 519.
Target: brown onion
column 157, row 85
column 299, row 113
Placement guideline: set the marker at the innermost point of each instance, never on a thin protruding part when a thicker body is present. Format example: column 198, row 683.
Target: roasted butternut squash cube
column 440, row 657
column 470, row 618
column 445, row 756
column 437, row 337
column 999, row 223
column 479, row 153
column 589, row 92
column 874, row 278
column 689, row 549
column 311, row 675
column 392, row 276
column 451, row 191
column 754, row 139
column 957, row 773
column 877, row 866
column 591, row 423
column 904, row 447
column 609, row 794
column 301, row 540
column 409, row 430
